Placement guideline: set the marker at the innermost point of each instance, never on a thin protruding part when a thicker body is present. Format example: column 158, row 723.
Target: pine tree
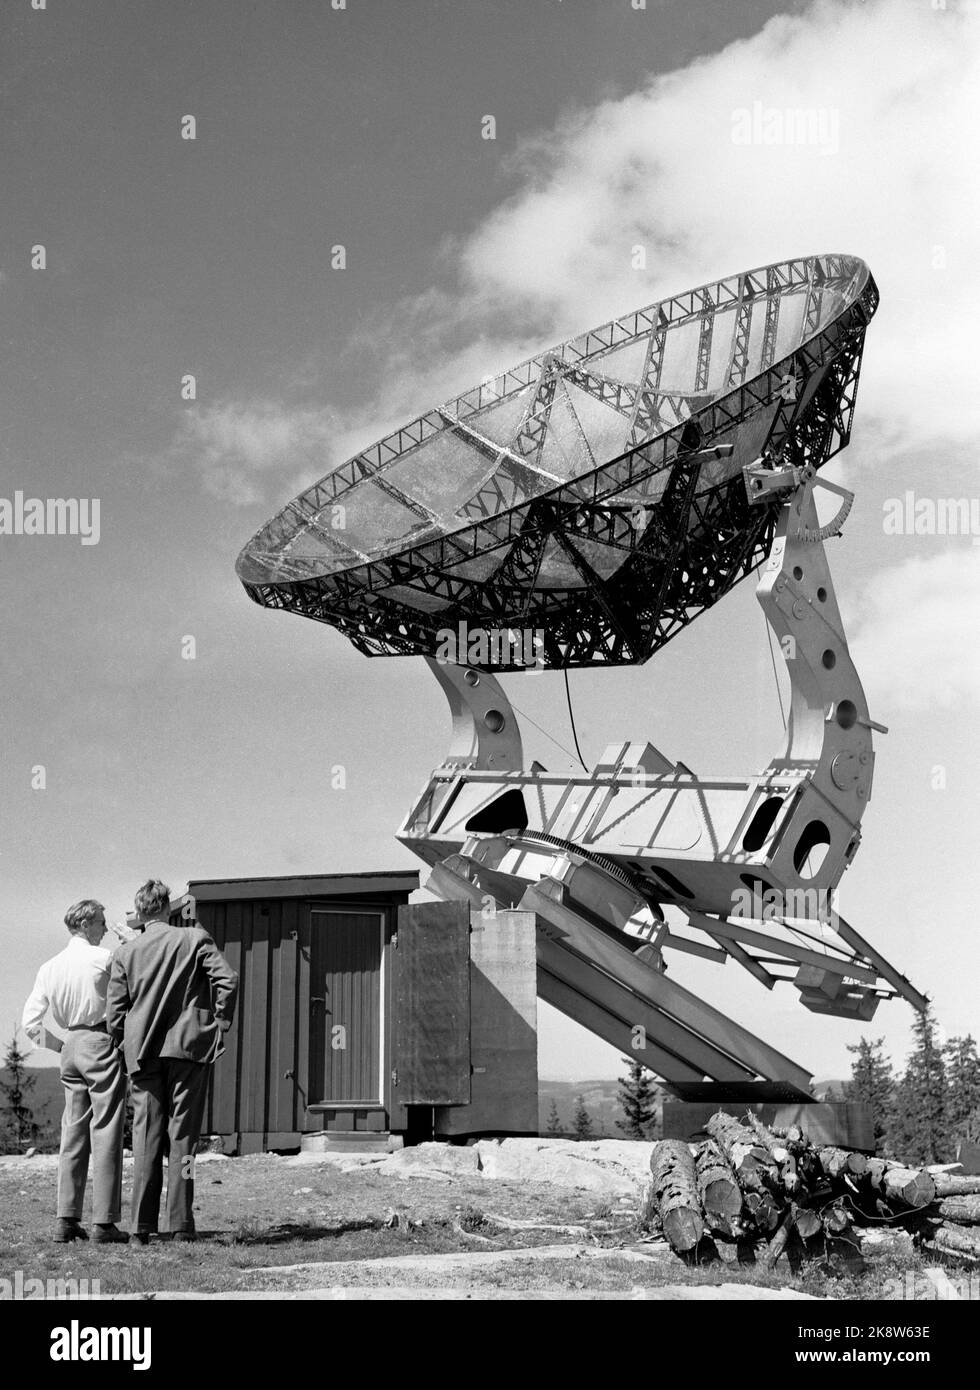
column 963, row 1077
column 873, row 1084
column 637, row 1096
column 19, row 1128
column 581, row 1120
column 553, row 1128
column 920, row 1129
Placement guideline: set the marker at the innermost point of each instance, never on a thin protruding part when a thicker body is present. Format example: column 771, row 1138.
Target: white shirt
column 73, row 985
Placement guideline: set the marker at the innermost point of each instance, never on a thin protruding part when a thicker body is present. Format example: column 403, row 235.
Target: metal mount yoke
column 751, row 865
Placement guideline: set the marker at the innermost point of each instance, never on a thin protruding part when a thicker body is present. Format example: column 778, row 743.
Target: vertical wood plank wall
column 259, row 1087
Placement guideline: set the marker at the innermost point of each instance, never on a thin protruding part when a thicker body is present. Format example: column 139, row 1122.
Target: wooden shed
column 361, row 1017
column 307, row 1050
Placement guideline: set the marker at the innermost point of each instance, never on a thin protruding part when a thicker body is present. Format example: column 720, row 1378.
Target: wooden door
column 346, row 1019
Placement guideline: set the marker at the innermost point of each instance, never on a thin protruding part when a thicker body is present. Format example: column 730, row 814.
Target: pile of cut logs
column 754, row 1192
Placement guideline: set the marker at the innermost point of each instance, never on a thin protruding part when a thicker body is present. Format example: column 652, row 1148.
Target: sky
column 129, row 750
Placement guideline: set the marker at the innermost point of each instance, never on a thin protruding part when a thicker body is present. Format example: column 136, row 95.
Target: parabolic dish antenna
column 596, row 492
column 600, row 496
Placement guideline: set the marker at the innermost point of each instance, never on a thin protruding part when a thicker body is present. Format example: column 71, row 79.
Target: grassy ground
column 260, row 1214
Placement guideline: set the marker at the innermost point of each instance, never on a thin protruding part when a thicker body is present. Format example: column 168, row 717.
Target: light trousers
column 92, row 1126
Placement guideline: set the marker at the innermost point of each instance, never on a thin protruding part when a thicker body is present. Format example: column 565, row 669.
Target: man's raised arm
column 224, row 981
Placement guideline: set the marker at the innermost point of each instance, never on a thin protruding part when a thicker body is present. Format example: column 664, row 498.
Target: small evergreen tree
column 581, row 1120
column 920, row 1129
column 553, row 1128
column 963, row 1079
column 637, row 1096
column 19, row 1128
column 873, row 1084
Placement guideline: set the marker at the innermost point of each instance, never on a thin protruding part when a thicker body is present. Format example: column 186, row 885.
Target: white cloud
column 891, row 91
column 916, row 640
column 234, row 443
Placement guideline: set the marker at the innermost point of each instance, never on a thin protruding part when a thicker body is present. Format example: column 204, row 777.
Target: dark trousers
column 168, row 1102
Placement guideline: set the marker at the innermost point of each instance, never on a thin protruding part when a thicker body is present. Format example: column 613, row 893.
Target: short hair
column 81, row 913
column 152, row 897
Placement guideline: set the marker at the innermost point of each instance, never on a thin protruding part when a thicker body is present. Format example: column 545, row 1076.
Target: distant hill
column 832, row 1089
column 601, row 1101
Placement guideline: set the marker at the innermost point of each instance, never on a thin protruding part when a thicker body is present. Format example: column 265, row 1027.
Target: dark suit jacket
column 169, row 992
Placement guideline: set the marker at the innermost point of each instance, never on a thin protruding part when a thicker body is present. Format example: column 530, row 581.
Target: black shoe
column 108, row 1233
column 184, row 1235
column 69, row 1228
column 139, row 1238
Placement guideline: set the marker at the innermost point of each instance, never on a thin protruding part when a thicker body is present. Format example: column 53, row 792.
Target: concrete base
column 349, row 1141
column 846, row 1124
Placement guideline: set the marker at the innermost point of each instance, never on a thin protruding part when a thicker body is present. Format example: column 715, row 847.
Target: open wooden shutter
column 430, row 1046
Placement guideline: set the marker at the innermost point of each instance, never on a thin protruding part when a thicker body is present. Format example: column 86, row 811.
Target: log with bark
column 885, row 1242
column 909, row 1187
column 718, row 1189
column 806, row 1220
column 953, row 1185
column 675, row 1188
column 741, row 1146
column 763, row 1210
column 727, row 1250
column 779, row 1241
column 875, row 1175
column 964, row 1210
column 754, row 1187
column 956, row 1241
column 838, row 1163
column 780, row 1150
column 835, row 1220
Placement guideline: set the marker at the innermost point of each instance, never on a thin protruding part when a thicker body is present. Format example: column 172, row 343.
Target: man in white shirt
column 73, row 986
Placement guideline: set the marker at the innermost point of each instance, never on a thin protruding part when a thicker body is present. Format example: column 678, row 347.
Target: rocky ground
column 517, row 1218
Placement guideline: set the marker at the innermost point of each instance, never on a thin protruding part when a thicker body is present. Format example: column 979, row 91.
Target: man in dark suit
column 171, row 997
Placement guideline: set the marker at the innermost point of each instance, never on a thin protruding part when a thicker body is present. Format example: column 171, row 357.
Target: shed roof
column 389, row 882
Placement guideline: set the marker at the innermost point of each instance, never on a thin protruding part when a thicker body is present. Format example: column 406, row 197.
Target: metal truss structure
column 580, row 498
column 577, row 496
column 641, row 856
